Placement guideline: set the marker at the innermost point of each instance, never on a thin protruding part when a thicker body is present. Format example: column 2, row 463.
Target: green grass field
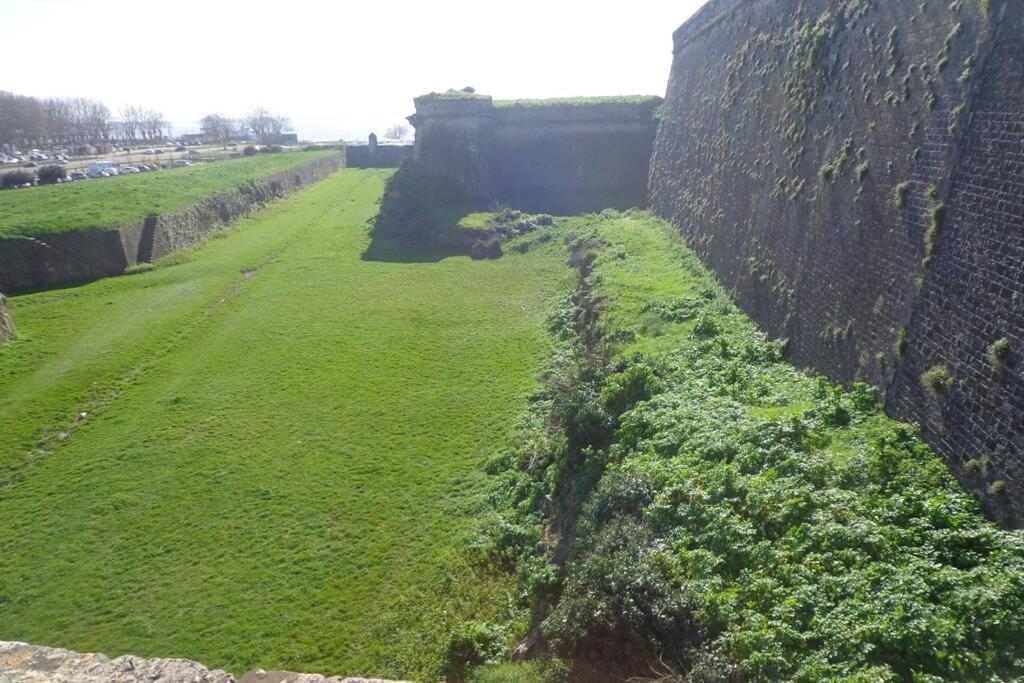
column 112, row 202
column 281, row 458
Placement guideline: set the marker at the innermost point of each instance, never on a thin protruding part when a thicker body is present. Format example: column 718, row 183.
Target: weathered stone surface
column 854, row 171
column 70, row 258
column 6, row 324
column 378, row 156
column 261, row 676
column 24, row 663
column 552, row 158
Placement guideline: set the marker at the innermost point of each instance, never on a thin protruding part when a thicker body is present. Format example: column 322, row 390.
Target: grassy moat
column 287, row 450
column 281, row 457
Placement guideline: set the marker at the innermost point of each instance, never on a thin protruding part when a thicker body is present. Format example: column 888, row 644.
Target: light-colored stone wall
column 24, row 663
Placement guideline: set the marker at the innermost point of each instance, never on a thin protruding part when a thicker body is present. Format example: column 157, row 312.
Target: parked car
column 179, row 148
column 129, row 169
column 29, row 164
column 77, row 175
column 178, row 163
column 149, row 151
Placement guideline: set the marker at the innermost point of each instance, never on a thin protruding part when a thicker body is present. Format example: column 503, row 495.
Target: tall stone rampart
column 854, row 170
column 559, row 156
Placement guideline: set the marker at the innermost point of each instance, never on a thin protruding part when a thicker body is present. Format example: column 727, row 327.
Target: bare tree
column 29, row 121
column 131, row 123
column 266, row 126
column 217, row 127
column 397, row 132
column 155, row 125
column 22, row 120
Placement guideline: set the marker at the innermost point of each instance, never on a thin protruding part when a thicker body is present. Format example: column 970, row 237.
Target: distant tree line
column 34, row 122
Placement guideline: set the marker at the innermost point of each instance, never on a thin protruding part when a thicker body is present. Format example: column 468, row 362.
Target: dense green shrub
column 741, row 519
column 50, row 175
column 936, row 381
column 474, row 644
column 15, row 178
column 998, row 352
column 623, row 390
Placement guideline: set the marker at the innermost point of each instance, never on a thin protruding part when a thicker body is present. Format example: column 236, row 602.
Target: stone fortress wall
column 377, row 156
column 854, row 170
column 557, row 156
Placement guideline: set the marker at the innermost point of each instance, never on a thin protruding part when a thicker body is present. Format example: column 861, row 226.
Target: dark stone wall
column 558, row 158
column 852, row 168
column 74, row 257
column 383, row 156
column 973, row 295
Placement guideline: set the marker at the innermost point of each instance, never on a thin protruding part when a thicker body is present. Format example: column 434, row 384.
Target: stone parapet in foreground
column 24, row 663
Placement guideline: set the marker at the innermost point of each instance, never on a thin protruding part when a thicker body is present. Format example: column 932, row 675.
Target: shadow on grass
column 424, row 218
column 394, row 251
column 425, row 239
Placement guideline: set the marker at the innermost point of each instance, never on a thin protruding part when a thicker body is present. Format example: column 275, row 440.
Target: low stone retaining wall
column 382, row 156
column 6, row 324
column 24, row 663
column 29, row 263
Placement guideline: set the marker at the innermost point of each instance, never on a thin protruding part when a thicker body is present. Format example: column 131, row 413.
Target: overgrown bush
column 623, row 390
column 739, row 519
column 16, row 178
column 50, row 175
column 937, row 381
column 998, row 352
column 475, row 644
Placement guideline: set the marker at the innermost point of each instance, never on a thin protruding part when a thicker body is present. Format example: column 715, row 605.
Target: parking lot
column 128, row 160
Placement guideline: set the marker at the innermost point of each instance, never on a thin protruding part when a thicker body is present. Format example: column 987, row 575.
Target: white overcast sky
column 338, row 68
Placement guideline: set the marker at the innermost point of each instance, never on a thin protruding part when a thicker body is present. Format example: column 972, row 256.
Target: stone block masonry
column 6, row 324
column 854, row 170
column 29, row 263
column 24, row 663
column 378, row 156
column 557, row 156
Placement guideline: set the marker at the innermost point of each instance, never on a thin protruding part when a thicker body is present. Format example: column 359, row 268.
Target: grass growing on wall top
column 448, row 95
column 578, row 101
column 282, row 451
column 121, row 200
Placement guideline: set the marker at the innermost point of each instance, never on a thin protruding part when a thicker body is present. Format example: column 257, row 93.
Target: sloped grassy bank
column 680, row 500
